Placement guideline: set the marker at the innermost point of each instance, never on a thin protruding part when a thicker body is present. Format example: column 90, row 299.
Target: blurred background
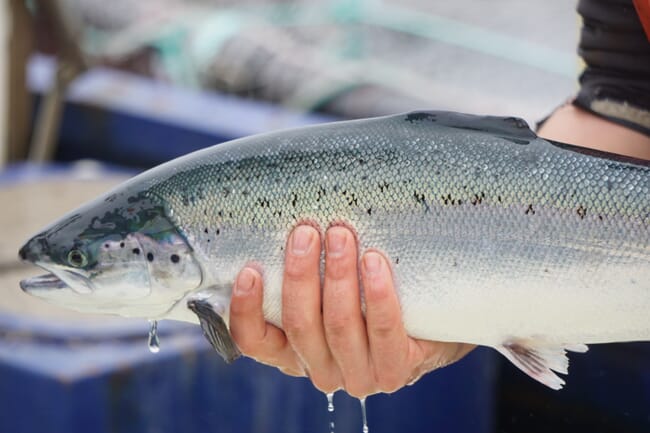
column 94, row 91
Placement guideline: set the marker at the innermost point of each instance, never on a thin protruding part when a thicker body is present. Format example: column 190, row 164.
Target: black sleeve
column 615, row 83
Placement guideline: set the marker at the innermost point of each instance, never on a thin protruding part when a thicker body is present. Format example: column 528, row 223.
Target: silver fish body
column 496, row 237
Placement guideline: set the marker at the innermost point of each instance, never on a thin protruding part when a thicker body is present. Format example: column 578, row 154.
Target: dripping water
column 363, row 414
column 330, row 402
column 330, row 409
column 154, row 342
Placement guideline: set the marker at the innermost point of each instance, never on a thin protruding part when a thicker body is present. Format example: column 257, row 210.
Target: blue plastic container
column 72, row 379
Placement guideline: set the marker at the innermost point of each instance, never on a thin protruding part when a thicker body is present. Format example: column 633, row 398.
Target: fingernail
column 373, row 263
column 336, row 239
column 301, row 240
column 245, row 282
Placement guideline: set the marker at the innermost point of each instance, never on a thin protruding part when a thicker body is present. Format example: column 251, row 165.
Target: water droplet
column 330, row 409
column 330, row 402
column 154, row 342
column 363, row 414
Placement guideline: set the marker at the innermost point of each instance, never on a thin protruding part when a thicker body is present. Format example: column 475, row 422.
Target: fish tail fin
column 540, row 360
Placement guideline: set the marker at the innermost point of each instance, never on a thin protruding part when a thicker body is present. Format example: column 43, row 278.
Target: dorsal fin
column 510, row 128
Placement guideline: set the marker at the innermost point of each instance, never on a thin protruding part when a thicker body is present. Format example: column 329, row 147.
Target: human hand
column 328, row 338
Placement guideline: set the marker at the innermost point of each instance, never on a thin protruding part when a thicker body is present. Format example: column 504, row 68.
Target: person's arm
column 573, row 125
column 330, row 341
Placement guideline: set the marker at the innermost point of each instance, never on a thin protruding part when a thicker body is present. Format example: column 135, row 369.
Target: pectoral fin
column 214, row 328
column 539, row 359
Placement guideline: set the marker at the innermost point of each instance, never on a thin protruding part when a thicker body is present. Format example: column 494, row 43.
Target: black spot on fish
column 135, row 251
column 352, row 200
column 582, row 212
column 263, row 202
column 205, row 230
column 499, row 198
column 369, row 211
column 294, row 199
column 448, row 199
column 530, row 210
column 397, row 260
column 420, row 198
column 174, row 258
column 106, row 246
column 121, row 244
column 600, row 217
column 150, row 257
column 218, row 232
column 321, row 193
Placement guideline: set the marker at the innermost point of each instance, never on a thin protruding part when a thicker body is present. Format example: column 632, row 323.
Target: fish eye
column 77, row 258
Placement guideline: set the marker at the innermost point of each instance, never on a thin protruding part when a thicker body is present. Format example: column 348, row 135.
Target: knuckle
column 296, row 325
column 296, row 268
column 383, row 329
column 238, row 307
column 377, row 291
column 337, row 326
column 340, row 268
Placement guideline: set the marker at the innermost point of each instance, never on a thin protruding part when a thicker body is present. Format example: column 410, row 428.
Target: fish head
column 120, row 254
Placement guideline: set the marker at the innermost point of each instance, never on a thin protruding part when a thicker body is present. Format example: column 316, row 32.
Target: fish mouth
column 42, row 282
column 56, row 279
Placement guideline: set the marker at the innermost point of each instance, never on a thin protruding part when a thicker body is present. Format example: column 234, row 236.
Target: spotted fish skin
column 495, row 236
column 491, row 231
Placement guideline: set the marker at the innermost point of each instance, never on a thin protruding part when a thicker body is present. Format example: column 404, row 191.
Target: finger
column 389, row 343
column 302, row 319
column 345, row 328
column 254, row 336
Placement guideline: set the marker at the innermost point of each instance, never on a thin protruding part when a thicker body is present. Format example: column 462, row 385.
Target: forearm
column 570, row 124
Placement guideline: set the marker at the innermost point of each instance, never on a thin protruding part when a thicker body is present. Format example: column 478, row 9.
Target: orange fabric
column 643, row 10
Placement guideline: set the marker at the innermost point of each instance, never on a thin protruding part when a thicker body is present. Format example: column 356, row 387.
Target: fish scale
column 495, row 236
